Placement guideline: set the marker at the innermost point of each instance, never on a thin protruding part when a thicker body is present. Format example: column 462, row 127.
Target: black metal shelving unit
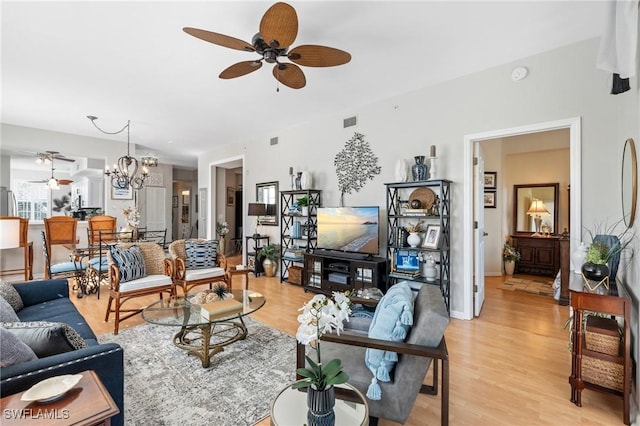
column 400, row 215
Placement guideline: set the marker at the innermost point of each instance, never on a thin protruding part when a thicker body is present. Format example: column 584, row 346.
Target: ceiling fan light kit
column 278, row 30
column 47, row 157
column 125, row 172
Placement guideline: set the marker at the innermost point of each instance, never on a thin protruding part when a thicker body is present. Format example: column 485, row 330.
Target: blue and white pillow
column 391, row 321
column 201, row 254
column 129, row 261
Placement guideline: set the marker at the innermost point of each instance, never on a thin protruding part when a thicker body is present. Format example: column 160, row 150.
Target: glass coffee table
column 290, row 407
column 198, row 335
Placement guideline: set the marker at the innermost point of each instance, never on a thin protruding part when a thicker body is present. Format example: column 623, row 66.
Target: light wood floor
column 510, row 366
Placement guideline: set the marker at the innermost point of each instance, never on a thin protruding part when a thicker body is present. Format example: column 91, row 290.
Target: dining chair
column 97, row 224
column 60, row 230
column 159, row 236
column 27, row 247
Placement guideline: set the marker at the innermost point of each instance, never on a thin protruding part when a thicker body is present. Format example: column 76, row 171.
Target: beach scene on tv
column 348, row 229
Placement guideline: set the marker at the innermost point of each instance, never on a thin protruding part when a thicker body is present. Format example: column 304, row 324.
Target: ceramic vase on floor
column 320, row 404
column 509, row 267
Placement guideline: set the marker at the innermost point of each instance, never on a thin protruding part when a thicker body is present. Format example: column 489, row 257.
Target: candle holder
column 432, row 168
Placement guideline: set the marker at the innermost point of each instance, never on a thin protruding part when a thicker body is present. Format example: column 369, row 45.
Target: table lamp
column 257, row 210
column 537, row 210
column 9, row 233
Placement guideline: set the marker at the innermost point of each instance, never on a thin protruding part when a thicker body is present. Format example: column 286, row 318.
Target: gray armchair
column 424, row 342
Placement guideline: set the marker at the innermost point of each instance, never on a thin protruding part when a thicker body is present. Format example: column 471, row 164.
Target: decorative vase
column 306, row 180
column 270, row 267
column 578, row 257
column 320, row 405
column 413, row 239
column 419, row 170
column 298, row 181
column 132, row 229
column 509, row 267
column 304, row 210
column 595, row 271
column 401, row 171
column 430, row 270
column 221, row 244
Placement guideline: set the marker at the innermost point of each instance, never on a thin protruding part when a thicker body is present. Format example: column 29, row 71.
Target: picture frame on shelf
column 122, row 193
column 489, row 200
column 432, row 237
column 490, row 179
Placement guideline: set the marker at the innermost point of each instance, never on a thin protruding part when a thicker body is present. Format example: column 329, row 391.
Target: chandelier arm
column 93, row 121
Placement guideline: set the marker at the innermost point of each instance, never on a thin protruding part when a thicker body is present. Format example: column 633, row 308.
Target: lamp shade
column 538, row 208
column 9, row 233
column 257, row 209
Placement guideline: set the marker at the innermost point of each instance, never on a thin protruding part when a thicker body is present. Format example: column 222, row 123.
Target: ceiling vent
column 351, row 121
column 274, row 141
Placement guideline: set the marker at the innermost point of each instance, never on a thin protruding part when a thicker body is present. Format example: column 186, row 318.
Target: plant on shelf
column 414, row 227
column 605, row 249
column 269, row 255
column 303, row 204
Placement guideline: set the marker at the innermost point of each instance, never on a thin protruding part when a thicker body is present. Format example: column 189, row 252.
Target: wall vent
column 351, row 121
column 274, row 141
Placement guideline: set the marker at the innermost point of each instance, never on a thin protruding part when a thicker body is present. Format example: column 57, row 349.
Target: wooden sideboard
column 538, row 255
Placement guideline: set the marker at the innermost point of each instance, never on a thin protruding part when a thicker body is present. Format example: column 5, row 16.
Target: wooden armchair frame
column 178, row 256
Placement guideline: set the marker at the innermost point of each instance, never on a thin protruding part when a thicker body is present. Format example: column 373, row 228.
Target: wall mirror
column 629, row 182
column 535, row 204
column 267, row 192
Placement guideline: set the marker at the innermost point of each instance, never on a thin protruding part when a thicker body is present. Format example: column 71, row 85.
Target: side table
column 255, row 243
column 235, row 272
column 88, row 403
column 290, row 407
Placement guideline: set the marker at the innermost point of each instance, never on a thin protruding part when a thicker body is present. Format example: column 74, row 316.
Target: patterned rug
column 544, row 287
column 165, row 386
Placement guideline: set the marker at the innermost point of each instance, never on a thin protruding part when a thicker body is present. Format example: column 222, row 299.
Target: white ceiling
column 62, row 61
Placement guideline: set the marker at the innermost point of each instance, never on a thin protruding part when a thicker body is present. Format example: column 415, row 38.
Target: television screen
column 353, row 229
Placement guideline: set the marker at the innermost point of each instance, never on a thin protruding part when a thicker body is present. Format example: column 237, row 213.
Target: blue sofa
column 48, row 300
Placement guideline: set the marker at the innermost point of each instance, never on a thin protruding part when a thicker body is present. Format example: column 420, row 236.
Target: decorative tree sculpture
column 355, row 164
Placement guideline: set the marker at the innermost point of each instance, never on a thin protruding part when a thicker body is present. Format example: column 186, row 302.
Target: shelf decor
column 355, row 165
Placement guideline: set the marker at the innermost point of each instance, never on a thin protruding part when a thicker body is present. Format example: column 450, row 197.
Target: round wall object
column 519, row 73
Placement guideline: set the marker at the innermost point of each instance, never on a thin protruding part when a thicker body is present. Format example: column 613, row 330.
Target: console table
column 538, row 255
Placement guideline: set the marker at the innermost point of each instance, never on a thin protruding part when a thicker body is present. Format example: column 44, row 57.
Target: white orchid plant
column 319, row 316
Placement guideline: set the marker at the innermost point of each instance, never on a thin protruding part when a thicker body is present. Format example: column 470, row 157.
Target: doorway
column 225, row 179
column 473, row 285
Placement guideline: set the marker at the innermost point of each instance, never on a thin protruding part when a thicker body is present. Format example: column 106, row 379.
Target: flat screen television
column 349, row 229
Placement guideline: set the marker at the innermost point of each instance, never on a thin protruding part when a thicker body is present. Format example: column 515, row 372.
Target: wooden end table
column 88, row 403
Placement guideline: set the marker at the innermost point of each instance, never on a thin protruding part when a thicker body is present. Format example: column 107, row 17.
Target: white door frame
column 575, row 143
column 211, row 185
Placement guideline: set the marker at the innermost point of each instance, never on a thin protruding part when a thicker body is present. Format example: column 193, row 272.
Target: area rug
column 165, row 386
column 543, row 286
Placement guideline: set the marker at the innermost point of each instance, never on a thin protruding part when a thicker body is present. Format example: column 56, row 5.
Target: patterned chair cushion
column 201, row 254
column 129, row 261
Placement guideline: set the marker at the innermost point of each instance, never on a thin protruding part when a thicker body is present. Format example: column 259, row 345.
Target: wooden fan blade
column 290, row 75
column 240, row 69
column 62, row 158
column 219, row 39
column 64, row 181
column 279, row 23
column 311, row 55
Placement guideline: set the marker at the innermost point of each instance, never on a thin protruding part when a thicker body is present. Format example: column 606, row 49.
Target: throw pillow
column 14, row 351
column 7, row 314
column 391, row 321
column 129, row 261
column 201, row 254
column 46, row 338
column 11, row 295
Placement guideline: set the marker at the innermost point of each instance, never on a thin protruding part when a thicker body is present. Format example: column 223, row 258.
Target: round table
column 290, row 407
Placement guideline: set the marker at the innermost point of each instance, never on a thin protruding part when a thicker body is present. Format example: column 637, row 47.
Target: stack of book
column 407, row 264
column 293, row 253
column 220, row 308
column 415, row 212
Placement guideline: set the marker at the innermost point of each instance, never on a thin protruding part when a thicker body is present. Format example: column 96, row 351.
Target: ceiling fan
column 52, row 182
column 278, row 30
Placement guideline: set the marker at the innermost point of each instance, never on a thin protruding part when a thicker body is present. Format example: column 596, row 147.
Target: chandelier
column 125, row 173
column 149, row 161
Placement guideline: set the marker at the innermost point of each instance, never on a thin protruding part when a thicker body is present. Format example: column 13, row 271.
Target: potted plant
column 414, row 238
column 603, row 254
column 510, row 255
column 269, row 255
column 303, row 203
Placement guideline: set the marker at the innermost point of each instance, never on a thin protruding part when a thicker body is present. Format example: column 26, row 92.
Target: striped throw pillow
column 129, row 261
column 201, row 254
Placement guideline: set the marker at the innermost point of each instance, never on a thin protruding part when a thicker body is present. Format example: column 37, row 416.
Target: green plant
column 269, row 251
column 600, row 253
column 303, row 201
column 597, row 253
column 509, row 253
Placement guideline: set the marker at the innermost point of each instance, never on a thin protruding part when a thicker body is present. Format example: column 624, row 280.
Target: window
column 32, row 199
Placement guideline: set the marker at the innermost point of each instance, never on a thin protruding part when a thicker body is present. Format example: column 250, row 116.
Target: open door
column 479, row 234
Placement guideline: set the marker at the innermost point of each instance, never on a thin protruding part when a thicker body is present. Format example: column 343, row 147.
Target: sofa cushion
column 201, row 254
column 146, row 282
column 11, row 295
column 7, row 314
column 14, row 350
column 129, row 261
column 391, row 321
column 198, row 274
column 46, row 338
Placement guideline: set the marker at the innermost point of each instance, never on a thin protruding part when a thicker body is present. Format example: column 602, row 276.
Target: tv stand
column 327, row 270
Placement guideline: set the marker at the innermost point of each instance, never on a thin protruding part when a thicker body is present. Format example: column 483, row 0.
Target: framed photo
column 432, row 237
column 490, row 180
column 185, row 199
column 230, row 195
column 122, row 193
column 489, row 200
column 174, row 201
